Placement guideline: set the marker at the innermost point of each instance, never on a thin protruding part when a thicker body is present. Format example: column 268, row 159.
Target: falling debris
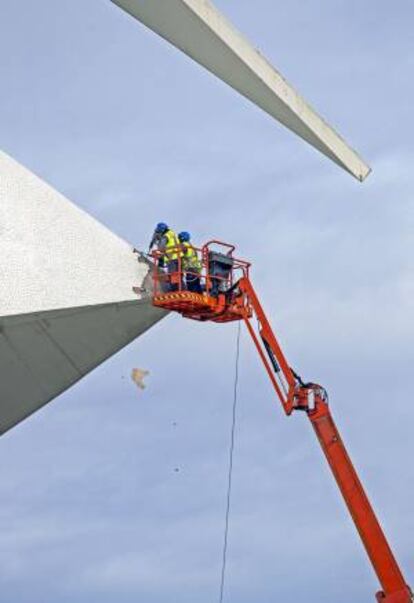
column 137, row 376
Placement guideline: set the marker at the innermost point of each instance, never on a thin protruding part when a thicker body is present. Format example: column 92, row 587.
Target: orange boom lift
column 228, row 295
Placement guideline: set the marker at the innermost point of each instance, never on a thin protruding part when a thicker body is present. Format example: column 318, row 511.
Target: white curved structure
column 197, row 28
column 66, row 298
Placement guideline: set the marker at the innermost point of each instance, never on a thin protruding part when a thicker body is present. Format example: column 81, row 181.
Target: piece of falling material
column 138, row 375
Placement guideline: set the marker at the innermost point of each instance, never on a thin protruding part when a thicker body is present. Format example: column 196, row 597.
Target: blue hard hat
column 161, row 227
column 184, row 236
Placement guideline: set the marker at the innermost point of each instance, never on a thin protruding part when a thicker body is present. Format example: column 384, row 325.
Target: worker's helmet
column 161, row 227
column 184, row 236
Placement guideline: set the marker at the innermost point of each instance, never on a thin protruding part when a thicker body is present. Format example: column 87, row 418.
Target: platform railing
column 171, row 275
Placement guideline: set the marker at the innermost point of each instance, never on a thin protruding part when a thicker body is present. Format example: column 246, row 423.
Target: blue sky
column 93, row 508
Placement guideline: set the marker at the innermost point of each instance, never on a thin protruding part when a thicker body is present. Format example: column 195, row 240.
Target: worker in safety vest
column 167, row 242
column 190, row 262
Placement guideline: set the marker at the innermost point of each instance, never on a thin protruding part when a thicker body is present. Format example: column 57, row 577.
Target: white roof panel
column 43, row 354
column 203, row 33
column 66, row 298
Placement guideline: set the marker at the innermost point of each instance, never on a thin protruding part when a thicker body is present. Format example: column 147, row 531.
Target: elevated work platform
column 208, row 290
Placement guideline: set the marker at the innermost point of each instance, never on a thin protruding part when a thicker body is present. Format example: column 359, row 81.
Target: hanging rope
column 230, row 472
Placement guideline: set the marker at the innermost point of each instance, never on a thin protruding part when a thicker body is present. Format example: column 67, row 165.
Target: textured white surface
column 66, row 299
column 54, row 255
column 199, row 30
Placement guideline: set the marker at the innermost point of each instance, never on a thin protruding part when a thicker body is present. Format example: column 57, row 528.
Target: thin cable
column 230, row 472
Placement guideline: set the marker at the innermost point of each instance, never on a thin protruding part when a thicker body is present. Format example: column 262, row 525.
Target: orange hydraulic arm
column 228, row 295
column 312, row 399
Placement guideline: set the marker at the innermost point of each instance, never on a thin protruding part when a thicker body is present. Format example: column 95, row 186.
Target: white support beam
column 203, row 33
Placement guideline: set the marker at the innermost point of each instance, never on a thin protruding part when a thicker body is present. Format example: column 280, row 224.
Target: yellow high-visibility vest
column 172, row 241
column 190, row 258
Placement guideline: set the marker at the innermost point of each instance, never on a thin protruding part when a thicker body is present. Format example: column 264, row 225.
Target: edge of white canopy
column 198, row 29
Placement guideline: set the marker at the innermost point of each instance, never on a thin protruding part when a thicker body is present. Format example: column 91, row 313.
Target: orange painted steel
column 311, row 398
column 239, row 301
column 225, row 307
column 389, row 574
column 267, row 335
